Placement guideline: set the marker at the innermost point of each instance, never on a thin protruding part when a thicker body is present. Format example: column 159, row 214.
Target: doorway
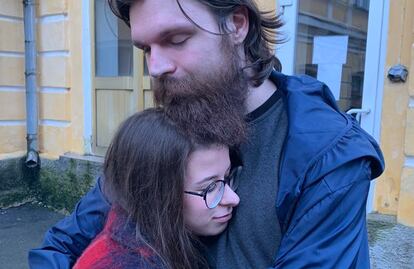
column 341, row 43
column 121, row 84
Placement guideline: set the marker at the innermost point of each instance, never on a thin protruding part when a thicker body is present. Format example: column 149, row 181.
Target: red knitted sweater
column 117, row 248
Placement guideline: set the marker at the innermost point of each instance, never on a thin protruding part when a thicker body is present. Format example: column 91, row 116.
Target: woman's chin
column 218, row 228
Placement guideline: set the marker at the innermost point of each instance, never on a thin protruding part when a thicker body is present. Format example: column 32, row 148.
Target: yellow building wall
column 395, row 188
column 12, row 95
column 61, row 108
column 266, row 5
column 61, row 102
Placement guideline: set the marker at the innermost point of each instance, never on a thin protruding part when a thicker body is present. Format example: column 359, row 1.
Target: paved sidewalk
column 391, row 244
column 22, row 228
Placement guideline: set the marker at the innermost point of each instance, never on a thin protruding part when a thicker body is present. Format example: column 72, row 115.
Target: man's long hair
column 259, row 44
column 144, row 174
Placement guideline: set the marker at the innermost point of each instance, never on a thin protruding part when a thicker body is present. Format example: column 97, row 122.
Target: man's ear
column 239, row 24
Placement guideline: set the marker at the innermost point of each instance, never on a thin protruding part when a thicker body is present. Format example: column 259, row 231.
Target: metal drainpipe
column 32, row 158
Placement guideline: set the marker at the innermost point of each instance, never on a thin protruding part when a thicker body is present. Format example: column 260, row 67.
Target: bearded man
column 307, row 167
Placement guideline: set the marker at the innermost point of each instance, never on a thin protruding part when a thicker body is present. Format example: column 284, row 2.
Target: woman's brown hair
column 144, row 172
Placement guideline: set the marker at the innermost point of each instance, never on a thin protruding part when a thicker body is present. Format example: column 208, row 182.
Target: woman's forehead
column 205, row 163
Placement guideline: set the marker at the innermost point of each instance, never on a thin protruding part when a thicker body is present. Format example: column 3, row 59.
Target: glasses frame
column 234, row 173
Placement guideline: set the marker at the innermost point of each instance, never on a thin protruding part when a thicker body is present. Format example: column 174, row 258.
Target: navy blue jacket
column 326, row 167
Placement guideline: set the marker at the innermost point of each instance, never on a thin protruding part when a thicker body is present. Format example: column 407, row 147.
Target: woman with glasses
column 166, row 189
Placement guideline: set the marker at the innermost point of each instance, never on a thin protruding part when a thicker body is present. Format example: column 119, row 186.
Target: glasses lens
column 214, row 193
column 231, row 180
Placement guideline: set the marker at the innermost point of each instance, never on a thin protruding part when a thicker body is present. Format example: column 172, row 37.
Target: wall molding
column 54, row 90
column 11, row 18
column 11, row 54
column 55, row 123
column 54, row 53
column 12, row 122
column 52, row 18
column 12, row 89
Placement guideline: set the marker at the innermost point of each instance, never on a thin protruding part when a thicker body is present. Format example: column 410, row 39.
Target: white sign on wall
column 329, row 53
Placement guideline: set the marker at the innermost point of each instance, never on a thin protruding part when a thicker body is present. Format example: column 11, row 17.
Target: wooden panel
column 112, row 107
column 111, row 83
column 148, row 99
column 11, row 36
column 115, row 98
column 12, row 105
column 146, row 83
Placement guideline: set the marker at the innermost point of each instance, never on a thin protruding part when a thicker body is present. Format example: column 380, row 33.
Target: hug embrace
column 238, row 166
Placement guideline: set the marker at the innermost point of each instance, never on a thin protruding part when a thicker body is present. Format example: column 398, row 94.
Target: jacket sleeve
column 65, row 242
column 328, row 228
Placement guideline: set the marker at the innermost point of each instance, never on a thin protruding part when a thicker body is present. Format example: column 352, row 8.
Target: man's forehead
column 149, row 8
column 162, row 10
column 157, row 17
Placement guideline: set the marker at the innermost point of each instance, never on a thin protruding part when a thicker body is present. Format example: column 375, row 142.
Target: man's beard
column 209, row 107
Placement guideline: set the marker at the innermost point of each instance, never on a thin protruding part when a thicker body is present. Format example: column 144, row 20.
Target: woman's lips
column 224, row 218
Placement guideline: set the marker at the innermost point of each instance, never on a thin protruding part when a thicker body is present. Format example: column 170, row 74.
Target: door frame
column 374, row 63
column 134, row 83
column 374, row 75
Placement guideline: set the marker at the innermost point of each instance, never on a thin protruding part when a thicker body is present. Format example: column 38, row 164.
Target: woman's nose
column 230, row 198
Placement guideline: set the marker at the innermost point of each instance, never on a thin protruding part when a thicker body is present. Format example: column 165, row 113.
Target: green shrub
column 62, row 190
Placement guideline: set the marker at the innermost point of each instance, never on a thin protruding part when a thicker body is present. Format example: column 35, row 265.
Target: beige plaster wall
column 59, row 24
column 395, row 188
column 266, row 5
column 61, row 92
column 12, row 95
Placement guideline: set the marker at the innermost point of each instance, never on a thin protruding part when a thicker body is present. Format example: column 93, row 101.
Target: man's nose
column 230, row 198
column 159, row 63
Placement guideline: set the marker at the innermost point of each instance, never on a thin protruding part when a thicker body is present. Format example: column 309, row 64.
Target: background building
column 90, row 78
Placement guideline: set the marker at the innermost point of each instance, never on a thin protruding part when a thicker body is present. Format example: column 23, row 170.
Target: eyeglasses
column 214, row 192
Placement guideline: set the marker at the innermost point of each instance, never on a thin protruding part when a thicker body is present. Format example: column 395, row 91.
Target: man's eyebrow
column 138, row 45
column 177, row 29
column 170, row 30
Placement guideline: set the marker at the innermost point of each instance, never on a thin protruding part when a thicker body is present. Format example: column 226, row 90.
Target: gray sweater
column 253, row 236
